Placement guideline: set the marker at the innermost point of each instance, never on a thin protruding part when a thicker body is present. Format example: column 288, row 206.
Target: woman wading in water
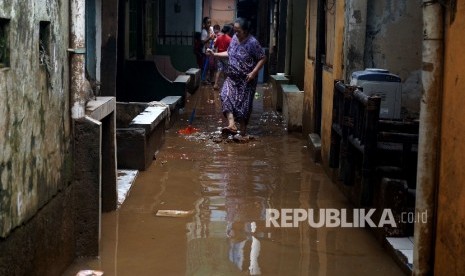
column 246, row 58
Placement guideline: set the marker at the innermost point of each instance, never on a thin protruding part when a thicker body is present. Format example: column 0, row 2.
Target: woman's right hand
column 210, row 52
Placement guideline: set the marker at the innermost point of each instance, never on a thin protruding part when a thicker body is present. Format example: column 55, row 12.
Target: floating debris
column 174, row 213
column 89, row 273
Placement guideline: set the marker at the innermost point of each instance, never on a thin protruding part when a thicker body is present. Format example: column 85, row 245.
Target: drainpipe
column 428, row 144
column 77, row 37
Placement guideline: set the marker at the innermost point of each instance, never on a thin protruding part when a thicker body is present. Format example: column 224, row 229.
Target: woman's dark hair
column 226, row 29
column 205, row 19
column 231, row 29
column 244, row 24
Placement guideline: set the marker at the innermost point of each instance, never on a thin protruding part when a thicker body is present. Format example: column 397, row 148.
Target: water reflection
column 238, row 239
column 233, row 200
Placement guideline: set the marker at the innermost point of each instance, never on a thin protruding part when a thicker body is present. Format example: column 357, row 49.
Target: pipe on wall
column 428, row 144
column 78, row 89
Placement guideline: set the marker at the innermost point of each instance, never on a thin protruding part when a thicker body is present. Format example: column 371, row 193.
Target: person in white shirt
column 207, row 37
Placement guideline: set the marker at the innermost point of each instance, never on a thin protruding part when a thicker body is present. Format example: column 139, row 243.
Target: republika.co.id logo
column 337, row 218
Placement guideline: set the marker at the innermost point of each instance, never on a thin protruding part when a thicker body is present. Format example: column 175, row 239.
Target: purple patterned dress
column 237, row 94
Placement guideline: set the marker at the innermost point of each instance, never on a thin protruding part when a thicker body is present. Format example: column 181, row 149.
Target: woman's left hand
column 250, row 76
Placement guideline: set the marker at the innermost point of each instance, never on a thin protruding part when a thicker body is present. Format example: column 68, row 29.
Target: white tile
column 408, row 254
column 125, row 180
column 400, row 243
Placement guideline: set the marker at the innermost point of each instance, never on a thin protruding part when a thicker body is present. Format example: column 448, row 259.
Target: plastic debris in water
column 89, row 273
column 174, row 213
column 188, row 130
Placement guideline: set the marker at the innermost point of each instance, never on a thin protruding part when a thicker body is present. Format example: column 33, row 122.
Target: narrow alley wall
column 220, row 11
column 450, row 230
column 35, row 159
column 310, row 48
column 330, row 73
column 393, row 41
column 180, row 17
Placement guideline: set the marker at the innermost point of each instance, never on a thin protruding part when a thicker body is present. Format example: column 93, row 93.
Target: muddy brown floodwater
column 225, row 186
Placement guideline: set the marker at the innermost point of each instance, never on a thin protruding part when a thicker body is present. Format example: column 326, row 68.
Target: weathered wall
column 34, row 117
column 329, row 75
column 328, row 82
column 393, row 41
column 182, row 21
column 297, row 41
column 308, row 109
column 355, row 34
column 450, row 247
column 221, row 11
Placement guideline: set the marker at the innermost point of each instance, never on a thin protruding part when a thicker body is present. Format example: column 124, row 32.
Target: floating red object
column 188, row 130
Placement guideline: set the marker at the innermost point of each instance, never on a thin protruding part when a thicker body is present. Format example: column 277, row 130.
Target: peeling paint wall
column 308, row 109
column 355, row 33
column 296, row 42
column 393, row 41
column 450, row 247
column 329, row 75
column 34, row 111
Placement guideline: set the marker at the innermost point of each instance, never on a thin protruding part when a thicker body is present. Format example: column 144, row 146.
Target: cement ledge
column 314, row 147
column 101, row 107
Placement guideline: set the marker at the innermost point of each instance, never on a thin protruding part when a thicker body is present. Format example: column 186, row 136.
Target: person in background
column 246, row 58
column 216, row 30
column 198, row 50
column 207, row 37
column 221, row 45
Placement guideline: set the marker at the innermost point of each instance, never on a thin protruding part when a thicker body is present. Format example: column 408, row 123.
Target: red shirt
column 222, row 42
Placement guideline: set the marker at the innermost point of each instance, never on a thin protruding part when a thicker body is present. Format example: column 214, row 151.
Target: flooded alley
column 223, row 187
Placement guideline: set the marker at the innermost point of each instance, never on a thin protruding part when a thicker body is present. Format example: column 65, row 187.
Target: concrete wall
column 329, row 75
column 328, row 82
column 34, row 118
column 296, row 57
column 36, row 200
column 450, row 247
column 182, row 21
column 308, row 109
column 220, row 11
column 393, row 41
column 355, row 33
